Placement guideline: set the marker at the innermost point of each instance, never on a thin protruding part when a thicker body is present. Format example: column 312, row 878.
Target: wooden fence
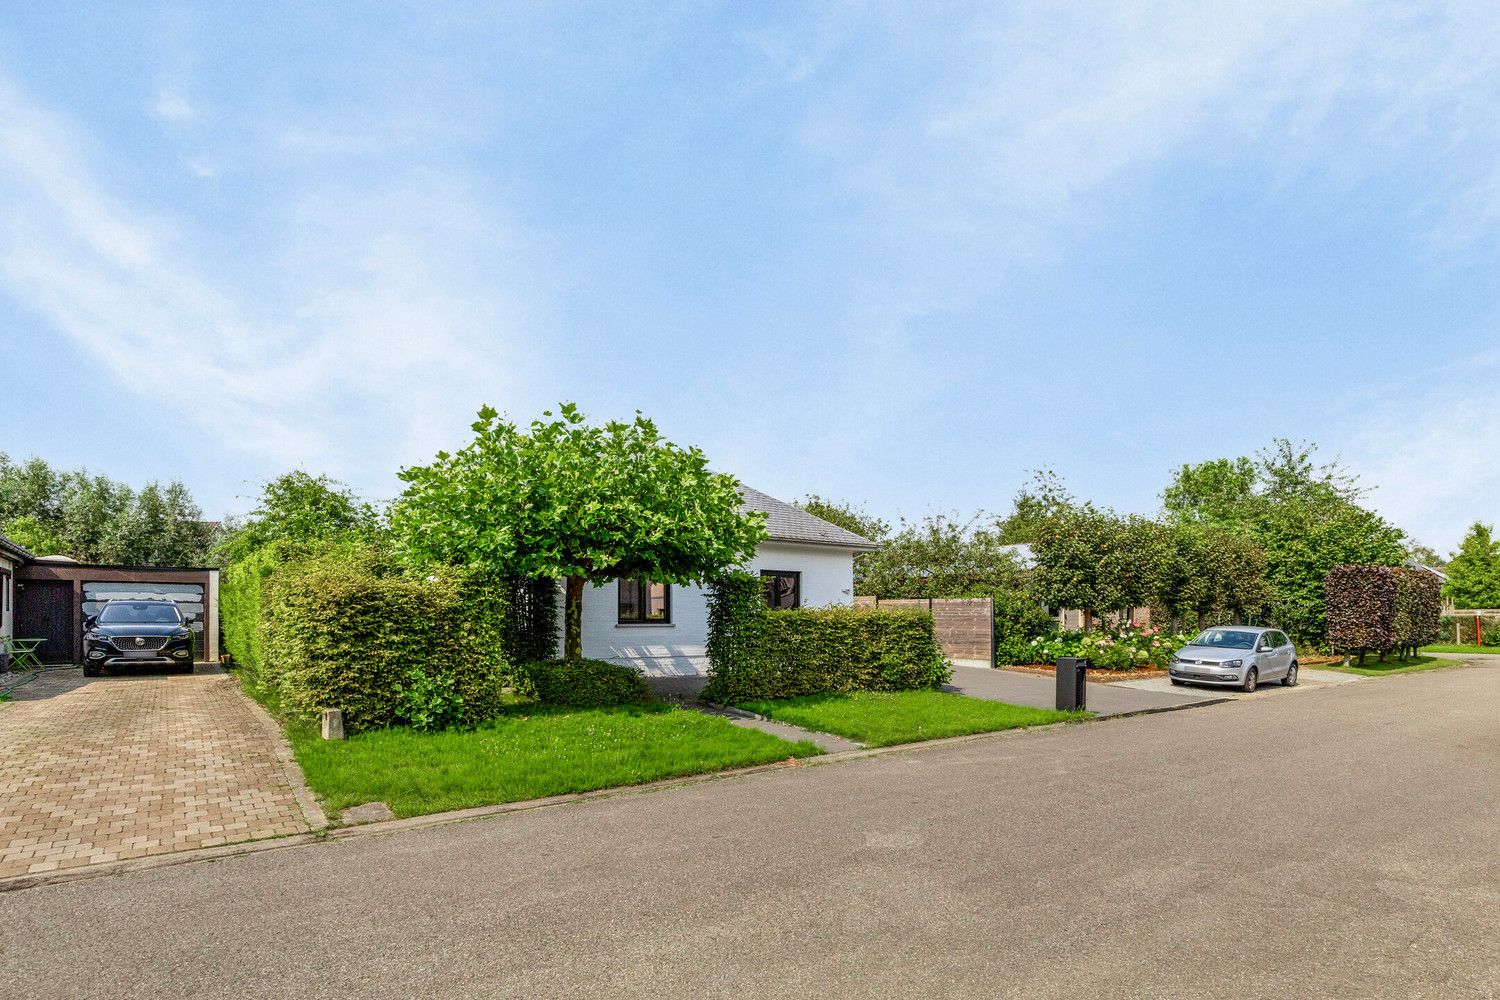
column 965, row 626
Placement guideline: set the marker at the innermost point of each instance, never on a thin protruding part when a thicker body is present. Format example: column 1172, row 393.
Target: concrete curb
column 328, row 835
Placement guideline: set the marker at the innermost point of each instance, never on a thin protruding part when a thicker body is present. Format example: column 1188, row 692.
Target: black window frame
column 771, row 574
column 642, row 586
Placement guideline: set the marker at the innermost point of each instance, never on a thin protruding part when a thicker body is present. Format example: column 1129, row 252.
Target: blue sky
column 894, row 254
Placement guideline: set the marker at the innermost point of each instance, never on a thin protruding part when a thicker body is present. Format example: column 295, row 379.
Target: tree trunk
column 573, row 619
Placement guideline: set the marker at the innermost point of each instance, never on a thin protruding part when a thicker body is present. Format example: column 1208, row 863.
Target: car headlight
column 1232, row 664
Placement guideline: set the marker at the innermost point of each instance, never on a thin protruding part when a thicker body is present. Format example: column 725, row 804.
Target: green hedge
column 338, row 632
column 756, row 653
column 584, row 683
column 1381, row 609
column 241, row 590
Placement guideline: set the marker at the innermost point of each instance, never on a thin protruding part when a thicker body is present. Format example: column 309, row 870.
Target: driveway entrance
column 110, row 768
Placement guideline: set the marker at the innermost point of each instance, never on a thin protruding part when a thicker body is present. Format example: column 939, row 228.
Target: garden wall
column 964, row 626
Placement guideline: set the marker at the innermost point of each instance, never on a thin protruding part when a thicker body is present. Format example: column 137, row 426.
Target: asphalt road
column 1342, row 841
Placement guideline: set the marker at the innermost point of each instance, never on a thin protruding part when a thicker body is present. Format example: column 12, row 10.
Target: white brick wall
column 678, row 648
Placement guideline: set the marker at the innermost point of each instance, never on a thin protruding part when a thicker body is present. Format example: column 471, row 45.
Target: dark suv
column 145, row 633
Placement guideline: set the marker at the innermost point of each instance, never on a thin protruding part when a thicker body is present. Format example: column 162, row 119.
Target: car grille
column 129, row 642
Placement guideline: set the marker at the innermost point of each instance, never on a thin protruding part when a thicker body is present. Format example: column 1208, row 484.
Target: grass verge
column 1374, row 668
column 527, row 754
column 880, row 719
column 1467, row 648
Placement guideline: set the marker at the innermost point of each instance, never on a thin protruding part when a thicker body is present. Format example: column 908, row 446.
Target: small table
column 23, row 653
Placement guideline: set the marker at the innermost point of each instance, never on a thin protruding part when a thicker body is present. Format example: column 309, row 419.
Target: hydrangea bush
column 1122, row 647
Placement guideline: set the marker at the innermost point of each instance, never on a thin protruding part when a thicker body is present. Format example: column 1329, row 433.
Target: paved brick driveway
column 123, row 767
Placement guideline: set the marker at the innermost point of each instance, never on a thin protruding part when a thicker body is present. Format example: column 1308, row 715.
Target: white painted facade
column 7, row 596
column 678, row 648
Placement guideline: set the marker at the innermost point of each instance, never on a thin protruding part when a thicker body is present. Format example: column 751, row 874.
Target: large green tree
column 937, row 557
column 583, row 502
column 1098, row 562
column 1474, row 570
column 96, row 519
column 1305, row 515
column 300, row 507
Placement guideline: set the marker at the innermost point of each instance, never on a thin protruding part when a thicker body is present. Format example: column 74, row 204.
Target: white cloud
column 390, row 322
column 173, row 106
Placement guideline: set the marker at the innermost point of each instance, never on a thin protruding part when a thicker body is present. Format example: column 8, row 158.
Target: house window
column 783, row 588
column 643, row 602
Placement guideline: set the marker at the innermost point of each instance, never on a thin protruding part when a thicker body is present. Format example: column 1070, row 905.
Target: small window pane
column 656, row 601
column 630, row 601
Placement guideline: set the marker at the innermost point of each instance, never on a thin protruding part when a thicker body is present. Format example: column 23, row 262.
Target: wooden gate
column 44, row 610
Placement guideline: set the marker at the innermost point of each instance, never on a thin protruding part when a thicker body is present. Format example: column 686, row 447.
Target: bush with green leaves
column 430, row 704
column 1381, row 609
column 341, row 631
column 583, row 683
column 757, row 653
column 1020, row 618
column 1114, row 648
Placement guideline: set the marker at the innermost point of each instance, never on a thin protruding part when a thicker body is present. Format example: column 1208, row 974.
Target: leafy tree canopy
column 847, row 516
column 31, row 534
column 300, row 507
column 96, row 519
column 1474, row 571
column 1305, row 514
column 1044, row 498
column 937, row 557
column 566, row 498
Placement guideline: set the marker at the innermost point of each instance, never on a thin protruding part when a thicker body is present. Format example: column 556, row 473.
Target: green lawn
column 1374, row 668
column 881, row 719
column 527, row 754
column 1467, row 648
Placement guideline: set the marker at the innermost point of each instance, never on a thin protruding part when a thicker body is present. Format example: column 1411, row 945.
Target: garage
column 53, row 595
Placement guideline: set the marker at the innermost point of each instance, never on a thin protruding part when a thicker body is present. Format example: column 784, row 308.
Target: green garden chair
column 23, row 653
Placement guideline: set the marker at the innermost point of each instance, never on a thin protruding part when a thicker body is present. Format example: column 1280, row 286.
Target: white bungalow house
column 11, row 556
column 663, row 629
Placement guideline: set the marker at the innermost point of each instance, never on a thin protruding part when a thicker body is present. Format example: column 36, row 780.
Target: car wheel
column 1177, row 682
column 1290, row 680
column 184, row 668
column 1252, row 676
column 90, row 670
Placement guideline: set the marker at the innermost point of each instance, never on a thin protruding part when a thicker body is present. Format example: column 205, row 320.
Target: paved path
column 1040, row 691
column 1157, row 856
column 95, row 770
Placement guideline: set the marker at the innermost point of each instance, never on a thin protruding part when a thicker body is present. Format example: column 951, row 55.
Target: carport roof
column 786, row 523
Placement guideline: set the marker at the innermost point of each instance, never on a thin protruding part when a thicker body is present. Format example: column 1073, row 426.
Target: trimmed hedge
column 1381, row 609
column 584, row 683
column 336, row 633
column 756, row 653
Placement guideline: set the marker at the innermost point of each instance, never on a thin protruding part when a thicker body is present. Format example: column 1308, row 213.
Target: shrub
column 1020, row 618
column 428, row 703
column 241, row 588
column 1381, row 608
column 1122, row 648
column 338, row 631
column 757, row 653
column 582, row 683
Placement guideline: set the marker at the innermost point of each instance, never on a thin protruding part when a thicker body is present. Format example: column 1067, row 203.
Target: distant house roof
column 1442, row 576
column 786, row 523
column 10, row 548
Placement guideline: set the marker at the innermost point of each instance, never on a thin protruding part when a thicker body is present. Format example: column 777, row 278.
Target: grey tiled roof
column 11, row 548
column 785, row 523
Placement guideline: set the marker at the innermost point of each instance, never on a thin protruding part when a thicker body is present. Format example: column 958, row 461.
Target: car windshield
column 1224, row 638
column 129, row 613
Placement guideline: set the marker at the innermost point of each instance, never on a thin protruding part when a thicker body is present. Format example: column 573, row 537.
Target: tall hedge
column 756, row 653
column 337, row 633
column 1381, row 609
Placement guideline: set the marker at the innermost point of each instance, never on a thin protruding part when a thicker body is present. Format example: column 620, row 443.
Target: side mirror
column 89, row 621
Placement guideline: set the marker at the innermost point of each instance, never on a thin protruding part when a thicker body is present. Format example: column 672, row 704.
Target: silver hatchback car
column 1236, row 655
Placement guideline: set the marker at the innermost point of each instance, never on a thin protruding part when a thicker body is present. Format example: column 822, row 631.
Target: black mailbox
column 1072, row 675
